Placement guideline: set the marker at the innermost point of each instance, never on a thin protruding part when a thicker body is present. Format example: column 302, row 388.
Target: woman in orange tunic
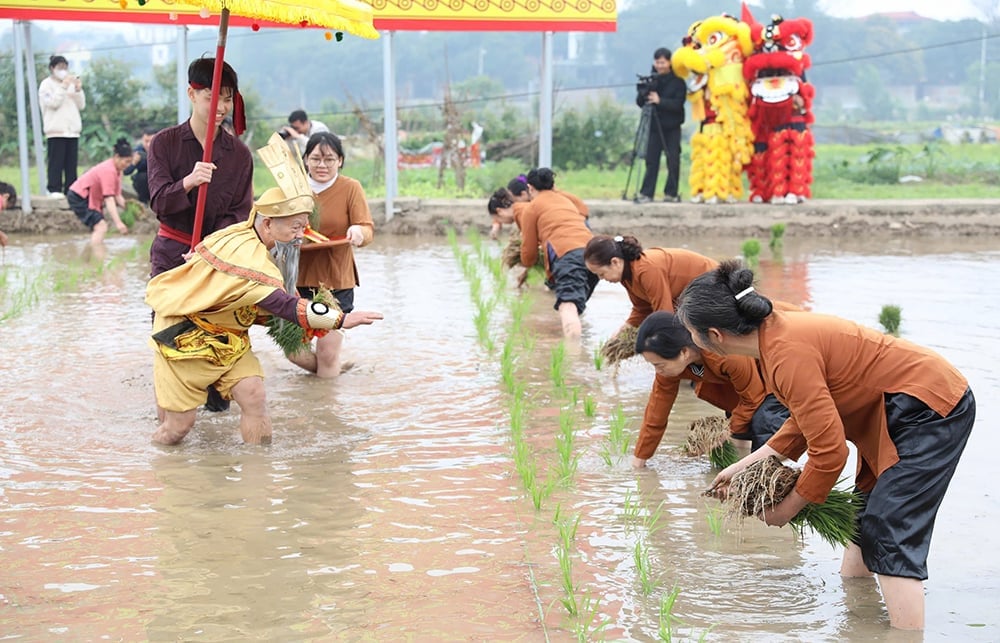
column 730, row 382
column 343, row 214
column 654, row 280
column 907, row 410
column 553, row 223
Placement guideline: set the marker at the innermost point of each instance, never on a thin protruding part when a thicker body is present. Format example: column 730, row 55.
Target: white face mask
column 60, row 74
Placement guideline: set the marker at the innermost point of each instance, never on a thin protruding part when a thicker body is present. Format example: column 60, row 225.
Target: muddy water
column 388, row 507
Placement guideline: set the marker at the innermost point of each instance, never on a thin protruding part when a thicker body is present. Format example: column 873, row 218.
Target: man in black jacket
column 666, row 96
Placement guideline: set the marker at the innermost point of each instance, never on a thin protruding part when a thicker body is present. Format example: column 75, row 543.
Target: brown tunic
column 341, row 205
column 659, row 276
column 832, row 375
column 551, row 220
column 731, row 383
column 657, row 279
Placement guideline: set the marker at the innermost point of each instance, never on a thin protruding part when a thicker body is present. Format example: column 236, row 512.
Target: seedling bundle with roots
column 291, row 337
column 511, row 255
column 710, row 436
column 621, row 347
column 767, row 482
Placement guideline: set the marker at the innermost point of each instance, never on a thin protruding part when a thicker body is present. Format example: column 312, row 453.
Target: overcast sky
column 937, row 9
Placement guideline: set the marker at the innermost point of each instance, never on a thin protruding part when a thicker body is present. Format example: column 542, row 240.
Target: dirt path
column 828, row 218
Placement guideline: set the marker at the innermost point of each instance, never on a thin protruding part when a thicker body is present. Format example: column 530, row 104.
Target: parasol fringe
column 351, row 16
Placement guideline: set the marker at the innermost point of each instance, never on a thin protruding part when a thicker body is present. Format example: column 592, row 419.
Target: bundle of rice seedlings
column 133, row 210
column 767, row 482
column 511, row 255
column 710, row 435
column 291, row 337
column 620, row 347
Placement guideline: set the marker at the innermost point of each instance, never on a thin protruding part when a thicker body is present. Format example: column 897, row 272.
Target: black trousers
column 62, row 158
column 671, row 144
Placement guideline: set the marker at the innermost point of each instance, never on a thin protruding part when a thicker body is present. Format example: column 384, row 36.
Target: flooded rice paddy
column 399, row 502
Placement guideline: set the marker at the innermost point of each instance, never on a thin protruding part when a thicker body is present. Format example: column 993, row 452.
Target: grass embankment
column 857, row 172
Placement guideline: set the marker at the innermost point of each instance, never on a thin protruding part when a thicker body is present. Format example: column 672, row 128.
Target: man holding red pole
column 177, row 169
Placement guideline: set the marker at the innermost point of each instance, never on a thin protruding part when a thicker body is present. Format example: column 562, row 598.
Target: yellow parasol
column 352, row 16
column 347, row 15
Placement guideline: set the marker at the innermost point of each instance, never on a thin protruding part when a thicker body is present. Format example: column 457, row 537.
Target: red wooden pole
column 212, row 130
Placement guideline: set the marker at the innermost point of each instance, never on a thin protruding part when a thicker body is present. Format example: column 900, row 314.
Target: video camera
column 644, row 85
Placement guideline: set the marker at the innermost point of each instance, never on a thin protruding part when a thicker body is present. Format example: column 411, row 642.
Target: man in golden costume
column 237, row 276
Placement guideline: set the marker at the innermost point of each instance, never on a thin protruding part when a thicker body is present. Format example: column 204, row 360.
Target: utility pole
column 982, row 74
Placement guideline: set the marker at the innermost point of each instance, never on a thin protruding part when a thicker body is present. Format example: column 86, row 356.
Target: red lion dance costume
column 780, row 110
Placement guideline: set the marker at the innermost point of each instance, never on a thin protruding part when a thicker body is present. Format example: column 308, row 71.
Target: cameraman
column 666, row 94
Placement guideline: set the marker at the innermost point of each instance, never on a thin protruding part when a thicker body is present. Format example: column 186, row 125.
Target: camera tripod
column 642, row 132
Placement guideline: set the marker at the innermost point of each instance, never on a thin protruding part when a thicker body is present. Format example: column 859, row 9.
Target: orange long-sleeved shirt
column 832, row 374
column 731, row 383
column 341, row 205
column 658, row 278
column 551, row 220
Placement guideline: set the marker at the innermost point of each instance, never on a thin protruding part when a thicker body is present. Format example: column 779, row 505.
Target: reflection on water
column 388, row 506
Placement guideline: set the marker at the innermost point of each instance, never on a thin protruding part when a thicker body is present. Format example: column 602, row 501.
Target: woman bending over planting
column 553, row 223
column 906, row 409
column 654, row 280
column 730, row 382
column 517, row 192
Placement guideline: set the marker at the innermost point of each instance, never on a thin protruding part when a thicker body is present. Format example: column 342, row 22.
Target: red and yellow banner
column 495, row 15
column 352, row 16
column 396, row 15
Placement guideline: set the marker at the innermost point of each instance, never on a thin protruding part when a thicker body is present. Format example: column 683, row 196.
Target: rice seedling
column 540, row 491
column 617, row 437
column 557, row 365
column 567, row 528
column 574, row 396
column 482, row 322
column 599, row 357
column 665, row 631
column 710, row 435
column 291, row 337
column 631, row 511
column 777, row 237
column 589, row 406
column 651, row 520
column 767, row 482
column 507, row 366
column 643, row 567
column 620, row 347
column 588, row 625
column 605, row 455
column 751, row 252
column 890, row 317
column 569, row 599
column 133, row 210
column 714, row 517
column 536, row 274
column 568, row 461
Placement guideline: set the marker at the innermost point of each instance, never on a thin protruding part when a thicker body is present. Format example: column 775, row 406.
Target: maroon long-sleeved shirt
column 171, row 157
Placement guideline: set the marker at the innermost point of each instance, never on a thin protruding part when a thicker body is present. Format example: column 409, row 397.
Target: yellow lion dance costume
column 711, row 63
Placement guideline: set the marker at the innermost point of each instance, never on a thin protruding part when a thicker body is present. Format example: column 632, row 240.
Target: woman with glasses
column 343, row 214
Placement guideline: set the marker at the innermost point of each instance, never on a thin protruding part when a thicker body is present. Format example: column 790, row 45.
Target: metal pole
column 982, row 74
column 36, row 114
column 545, row 104
column 389, row 130
column 183, row 105
column 22, row 126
